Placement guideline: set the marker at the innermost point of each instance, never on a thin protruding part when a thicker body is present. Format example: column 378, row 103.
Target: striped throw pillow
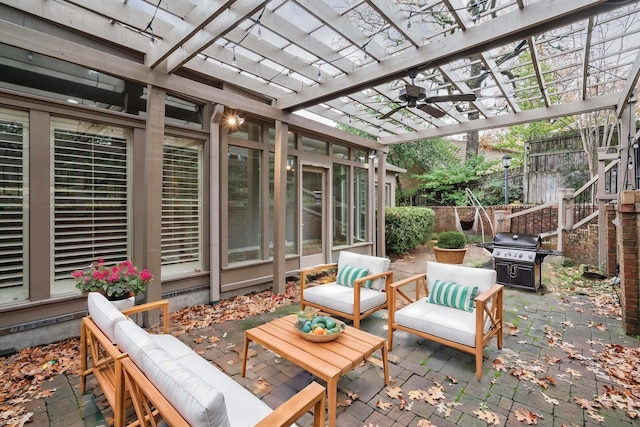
column 453, row 295
column 347, row 275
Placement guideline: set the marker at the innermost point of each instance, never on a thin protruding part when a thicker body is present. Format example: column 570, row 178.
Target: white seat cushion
column 340, row 298
column 373, row 263
column 198, row 402
column 243, row 407
column 236, row 399
column 445, row 322
column 104, row 314
column 132, row 339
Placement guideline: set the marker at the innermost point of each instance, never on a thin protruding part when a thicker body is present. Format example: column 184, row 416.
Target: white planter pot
column 124, row 304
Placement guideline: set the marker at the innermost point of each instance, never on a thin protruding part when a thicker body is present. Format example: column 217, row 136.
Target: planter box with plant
column 451, row 247
column 116, row 282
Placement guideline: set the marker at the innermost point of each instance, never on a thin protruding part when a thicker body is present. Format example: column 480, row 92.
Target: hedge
column 407, row 228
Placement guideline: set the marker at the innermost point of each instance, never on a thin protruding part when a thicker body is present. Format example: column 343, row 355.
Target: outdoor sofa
column 164, row 379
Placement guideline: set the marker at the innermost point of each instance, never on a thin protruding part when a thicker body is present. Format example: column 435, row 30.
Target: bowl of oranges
column 318, row 328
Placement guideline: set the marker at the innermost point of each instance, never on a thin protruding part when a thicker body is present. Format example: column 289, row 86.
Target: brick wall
column 627, row 234
column 581, row 246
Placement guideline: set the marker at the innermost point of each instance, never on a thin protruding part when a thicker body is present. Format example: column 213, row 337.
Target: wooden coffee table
column 327, row 361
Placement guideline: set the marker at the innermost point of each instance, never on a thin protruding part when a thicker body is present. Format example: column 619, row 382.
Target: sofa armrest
column 312, row 396
column 162, row 305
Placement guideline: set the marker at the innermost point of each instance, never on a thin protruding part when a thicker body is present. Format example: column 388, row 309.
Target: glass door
column 313, row 212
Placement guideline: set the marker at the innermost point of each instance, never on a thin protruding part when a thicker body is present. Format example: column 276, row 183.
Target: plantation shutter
column 91, row 203
column 13, row 221
column 181, row 206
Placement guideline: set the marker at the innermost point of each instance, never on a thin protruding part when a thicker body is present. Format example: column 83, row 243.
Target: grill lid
column 517, row 241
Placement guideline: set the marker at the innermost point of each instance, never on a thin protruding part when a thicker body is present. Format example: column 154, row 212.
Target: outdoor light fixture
column 373, row 154
column 235, row 120
column 506, row 163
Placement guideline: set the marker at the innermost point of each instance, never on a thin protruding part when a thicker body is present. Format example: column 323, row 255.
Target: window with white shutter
column 14, row 175
column 181, row 206
column 91, row 197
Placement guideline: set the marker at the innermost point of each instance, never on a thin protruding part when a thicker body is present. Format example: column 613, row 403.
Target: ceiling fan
column 412, row 95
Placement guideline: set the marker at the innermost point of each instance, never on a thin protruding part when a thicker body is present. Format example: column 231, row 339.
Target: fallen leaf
column 524, row 415
column 424, row 423
column 344, row 402
column 550, row 399
column 551, row 360
column 394, row 391
column 352, row 395
column 598, row 326
column 260, row 386
column 573, row 373
column 404, row 406
column 499, row 365
column 488, row 416
column 586, row 404
column 416, row 394
column 434, row 394
column 383, row 405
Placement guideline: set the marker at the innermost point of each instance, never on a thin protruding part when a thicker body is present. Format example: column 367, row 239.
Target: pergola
column 345, row 61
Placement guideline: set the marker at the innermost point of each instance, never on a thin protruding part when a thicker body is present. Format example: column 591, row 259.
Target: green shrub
column 407, row 228
column 452, row 239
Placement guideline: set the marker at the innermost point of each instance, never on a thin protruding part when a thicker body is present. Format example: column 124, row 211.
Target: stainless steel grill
column 517, row 259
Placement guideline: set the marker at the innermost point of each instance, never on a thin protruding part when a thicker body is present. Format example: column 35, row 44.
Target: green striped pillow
column 347, row 275
column 453, row 295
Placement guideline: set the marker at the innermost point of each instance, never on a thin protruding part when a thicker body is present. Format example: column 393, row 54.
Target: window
column 14, row 175
column 291, row 139
column 360, row 205
column 244, row 206
column 359, row 156
column 340, row 204
column 91, row 206
column 340, row 151
column 181, row 206
column 313, row 145
column 246, row 130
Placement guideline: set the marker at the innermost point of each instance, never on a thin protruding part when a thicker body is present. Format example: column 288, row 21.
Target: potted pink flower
column 116, row 282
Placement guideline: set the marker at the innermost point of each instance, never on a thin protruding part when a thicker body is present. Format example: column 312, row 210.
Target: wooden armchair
column 450, row 313
column 360, row 289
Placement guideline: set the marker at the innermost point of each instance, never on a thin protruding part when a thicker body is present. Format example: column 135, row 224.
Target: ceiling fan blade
column 387, row 115
column 435, row 112
column 451, row 98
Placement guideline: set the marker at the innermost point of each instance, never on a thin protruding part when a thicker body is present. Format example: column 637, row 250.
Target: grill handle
column 513, row 271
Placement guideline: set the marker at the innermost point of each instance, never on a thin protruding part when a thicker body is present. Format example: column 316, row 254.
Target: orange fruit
column 318, row 331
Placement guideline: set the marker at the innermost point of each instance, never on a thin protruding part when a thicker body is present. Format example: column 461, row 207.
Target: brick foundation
column 627, row 234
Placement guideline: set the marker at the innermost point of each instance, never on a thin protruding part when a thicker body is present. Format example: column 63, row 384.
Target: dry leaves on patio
column 238, row 308
column 23, row 377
